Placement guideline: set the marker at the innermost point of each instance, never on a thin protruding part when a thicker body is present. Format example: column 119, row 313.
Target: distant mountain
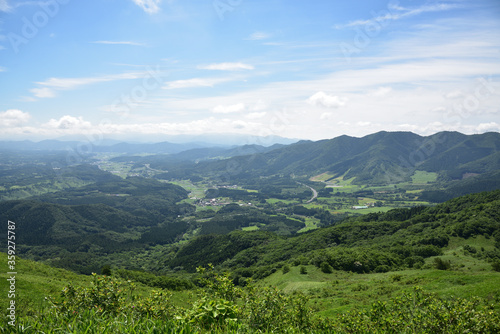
column 216, row 143
column 157, row 148
column 87, row 147
column 380, row 158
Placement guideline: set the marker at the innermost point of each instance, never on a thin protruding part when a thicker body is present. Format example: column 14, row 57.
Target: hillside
column 362, row 275
column 378, row 242
column 77, row 228
column 380, row 158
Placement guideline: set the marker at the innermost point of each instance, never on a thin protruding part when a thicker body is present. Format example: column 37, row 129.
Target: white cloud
column 149, row 6
column 72, row 83
column 256, row 115
column 226, row 67
column 195, row 82
column 380, row 92
column 325, row 100
column 396, row 12
column 13, row 117
column 259, row 35
column 44, row 92
column 326, row 116
column 119, row 43
column 455, row 94
column 484, row 127
column 68, row 122
column 220, row 109
column 4, row 6
column 50, row 86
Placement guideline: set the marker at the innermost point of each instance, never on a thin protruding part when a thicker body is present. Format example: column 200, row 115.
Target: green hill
column 380, row 158
column 376, row 242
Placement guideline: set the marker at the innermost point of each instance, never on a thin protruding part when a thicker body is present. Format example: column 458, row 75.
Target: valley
column 339, row 224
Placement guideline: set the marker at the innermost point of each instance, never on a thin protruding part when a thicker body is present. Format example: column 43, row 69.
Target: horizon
column 217, row 140
column 143, row 69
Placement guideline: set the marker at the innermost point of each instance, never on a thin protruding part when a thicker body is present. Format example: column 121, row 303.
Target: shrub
column 285, row 269
column 496, row 265
column 469, row 249
column 303, row 270
column 441, row 264
column 326, row 268
column 420, row 312
column 106, row 270
column 382, row 269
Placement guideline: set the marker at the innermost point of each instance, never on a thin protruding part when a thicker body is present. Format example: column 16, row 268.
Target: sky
column 148, row 69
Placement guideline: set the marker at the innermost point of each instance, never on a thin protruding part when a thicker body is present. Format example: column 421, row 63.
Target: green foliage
column 303, row 270
column 105, row 296
column 421, row 312
column 441, row 264
column 496, row 265
column 326, row 268
column 171, row 282
column 106, row 270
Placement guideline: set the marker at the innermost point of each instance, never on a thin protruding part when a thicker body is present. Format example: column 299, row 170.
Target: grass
column 422, row 177
column 322, row 177
column 330, row 294
column 340, row 291
column 250, row 228
column 311, row 224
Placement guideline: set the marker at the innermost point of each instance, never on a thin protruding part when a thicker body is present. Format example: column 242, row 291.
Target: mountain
column 89, row 147
column 380, row 158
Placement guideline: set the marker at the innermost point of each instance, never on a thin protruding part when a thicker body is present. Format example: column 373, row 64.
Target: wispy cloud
column 119, row 43
column 221, row 109
column 49, row 87
column 4, row 6
column 226, row 67
column 259, row 35
column 43, row 92
column 149, row 6
column 195, row 82
column 396, row 12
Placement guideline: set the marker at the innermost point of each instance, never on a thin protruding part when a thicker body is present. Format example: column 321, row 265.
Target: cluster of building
column 211, row 202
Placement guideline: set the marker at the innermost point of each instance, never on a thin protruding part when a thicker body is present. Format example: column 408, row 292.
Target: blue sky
column 299, row 69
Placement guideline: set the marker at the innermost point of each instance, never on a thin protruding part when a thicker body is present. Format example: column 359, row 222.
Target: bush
column 469, row 249
column 420, row 312
column 441, row 264
column 106, row 270
column 285, row 269
column 496, row 265
column 303, row 270
column 326, row 268
column 382, row 269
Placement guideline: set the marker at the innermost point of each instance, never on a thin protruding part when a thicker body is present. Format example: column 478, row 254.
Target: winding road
column 315, row 193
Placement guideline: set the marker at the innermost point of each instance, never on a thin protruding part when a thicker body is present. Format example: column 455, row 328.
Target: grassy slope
column 330, row 294
column 341, row 291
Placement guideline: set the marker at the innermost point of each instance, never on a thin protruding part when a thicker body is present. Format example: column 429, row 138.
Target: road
column 315, row 193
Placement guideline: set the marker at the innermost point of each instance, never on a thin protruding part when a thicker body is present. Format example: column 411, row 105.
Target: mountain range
column 379, row 158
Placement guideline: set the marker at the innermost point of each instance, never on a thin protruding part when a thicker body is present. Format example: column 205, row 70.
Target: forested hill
column 377, row 242
column 380, row 158
column 76, row 227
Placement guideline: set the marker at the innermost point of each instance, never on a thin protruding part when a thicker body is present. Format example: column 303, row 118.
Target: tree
column 106, row 270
